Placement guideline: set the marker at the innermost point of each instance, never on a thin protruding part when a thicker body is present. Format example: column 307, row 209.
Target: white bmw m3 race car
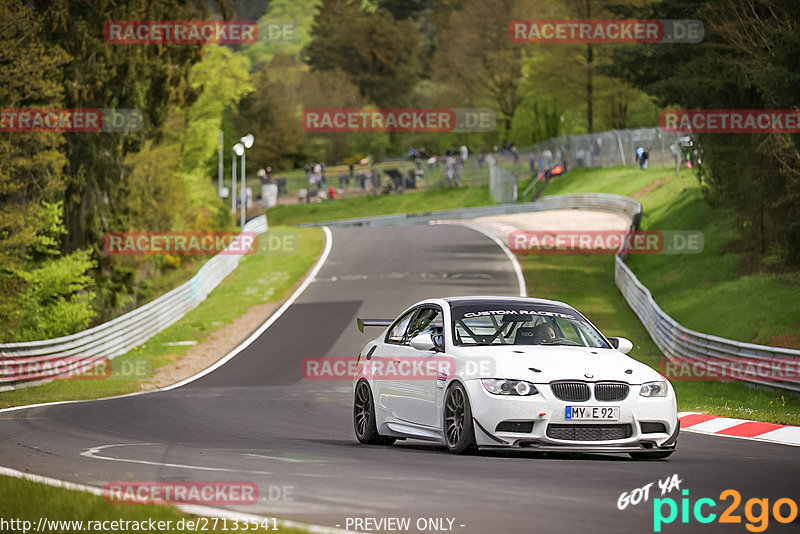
column 474, row 372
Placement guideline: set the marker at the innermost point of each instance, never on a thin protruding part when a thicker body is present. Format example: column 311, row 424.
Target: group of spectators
column 452, row 159
column 317, row 181
column 545, row 165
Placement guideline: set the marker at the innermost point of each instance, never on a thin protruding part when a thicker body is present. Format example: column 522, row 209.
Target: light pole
column 233, row 177
column 219, row 177
column 246, row 142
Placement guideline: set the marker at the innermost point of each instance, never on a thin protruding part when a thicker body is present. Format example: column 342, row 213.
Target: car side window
column 569, row 331
column 426, row 321
column 398, row 331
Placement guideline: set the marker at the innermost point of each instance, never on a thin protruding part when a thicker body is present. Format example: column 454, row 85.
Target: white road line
column 274, row 317
column 282, row 459
column 523, row 289
column 269, row 322
column 191, row 509
column 93, row 453
column 187, row 508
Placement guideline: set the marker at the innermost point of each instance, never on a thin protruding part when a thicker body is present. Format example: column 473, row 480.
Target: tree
column 55, row 299
column 477, row 61
column 220, row 81
column 41, row 292
column 299, row 13
column 101, row 75
column 403, row 9
column 329, row 89
column 748, row 60
column 377, row 53
column 271, row 114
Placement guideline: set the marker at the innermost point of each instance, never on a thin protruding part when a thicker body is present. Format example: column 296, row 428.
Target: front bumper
column 538, row 412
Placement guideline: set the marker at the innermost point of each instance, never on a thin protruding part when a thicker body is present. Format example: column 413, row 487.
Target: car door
column 384, row 356
column 414, row 381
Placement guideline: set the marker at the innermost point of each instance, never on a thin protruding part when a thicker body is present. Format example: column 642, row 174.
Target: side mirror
column 422, row 342
column 621, row 344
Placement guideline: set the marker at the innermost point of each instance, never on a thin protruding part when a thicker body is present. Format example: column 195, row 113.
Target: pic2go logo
column 783, row 511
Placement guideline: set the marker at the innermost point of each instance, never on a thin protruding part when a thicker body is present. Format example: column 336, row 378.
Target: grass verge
column 366, row 206
column 707, row 292
column 22, row 500
column 266, row 276
column 701, row 291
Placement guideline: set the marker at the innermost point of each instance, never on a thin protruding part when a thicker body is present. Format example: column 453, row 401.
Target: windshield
column 504, row 323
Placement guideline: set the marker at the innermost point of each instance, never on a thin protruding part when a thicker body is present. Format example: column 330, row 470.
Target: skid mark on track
column 284, row 459
column 94, row 453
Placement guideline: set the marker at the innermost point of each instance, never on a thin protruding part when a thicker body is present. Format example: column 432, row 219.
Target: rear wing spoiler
column 372, row 322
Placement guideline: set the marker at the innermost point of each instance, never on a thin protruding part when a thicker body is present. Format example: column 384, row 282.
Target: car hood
column 544, row 364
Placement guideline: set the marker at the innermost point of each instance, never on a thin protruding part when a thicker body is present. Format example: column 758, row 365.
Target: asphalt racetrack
column 256, row 419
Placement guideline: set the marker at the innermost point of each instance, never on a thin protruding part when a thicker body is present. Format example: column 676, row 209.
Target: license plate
column 590, row 413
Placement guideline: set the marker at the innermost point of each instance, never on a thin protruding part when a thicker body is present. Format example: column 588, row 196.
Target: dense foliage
column 61, row 192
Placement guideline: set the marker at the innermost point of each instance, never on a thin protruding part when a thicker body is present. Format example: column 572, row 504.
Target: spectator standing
column 450, row 167
column 548, row 158
column 281, row 183
column 262, row 177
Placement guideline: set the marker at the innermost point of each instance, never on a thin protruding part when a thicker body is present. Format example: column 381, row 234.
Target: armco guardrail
column 677, row 342
column 578, row 201
column 49, row 358
column 681, row 344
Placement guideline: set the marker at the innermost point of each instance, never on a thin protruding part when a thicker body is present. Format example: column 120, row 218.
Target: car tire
column 650, row 455
column 457, row 425
column 364, row 417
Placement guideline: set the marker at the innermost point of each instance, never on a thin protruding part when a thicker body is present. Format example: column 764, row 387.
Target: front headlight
column 500, row 386
column 654, row 389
